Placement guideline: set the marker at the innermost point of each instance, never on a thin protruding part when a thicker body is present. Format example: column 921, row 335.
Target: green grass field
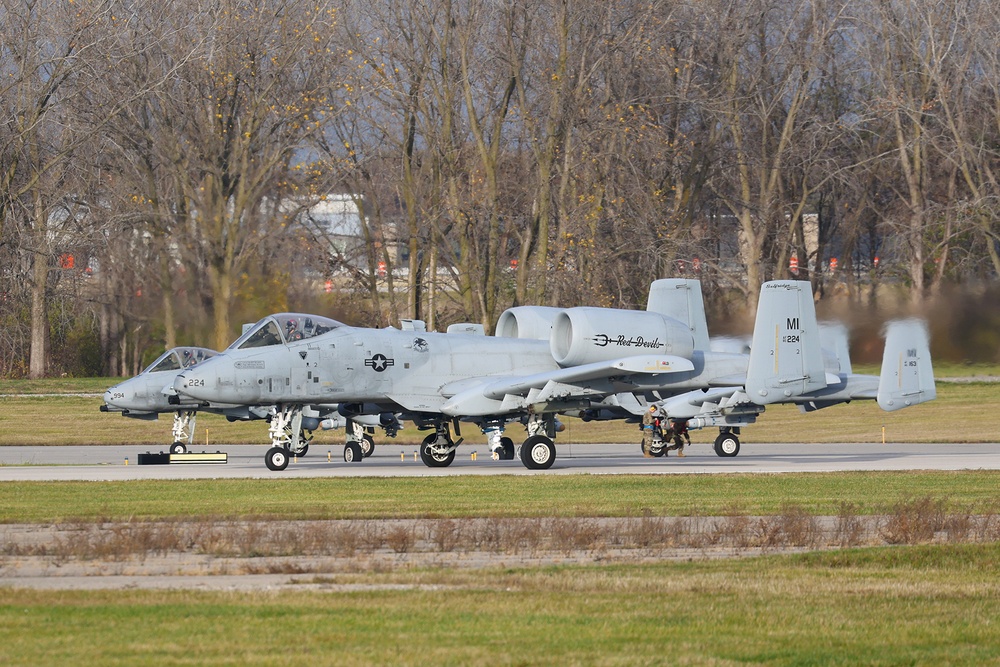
column 915, row 605
column 496, row 496
column 898, row 606
column 955, row 416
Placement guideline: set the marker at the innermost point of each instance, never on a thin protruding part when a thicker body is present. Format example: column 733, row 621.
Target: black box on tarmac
column 148, row 459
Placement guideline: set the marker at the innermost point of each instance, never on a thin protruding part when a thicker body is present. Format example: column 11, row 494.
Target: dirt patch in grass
column 269, row 554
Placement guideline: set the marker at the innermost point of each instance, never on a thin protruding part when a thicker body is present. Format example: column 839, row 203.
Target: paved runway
column 108, row 463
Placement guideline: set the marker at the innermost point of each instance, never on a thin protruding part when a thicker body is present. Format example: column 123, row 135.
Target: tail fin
column 907, row 377
column 786, row 359
column 681, row 300
column 834, row 339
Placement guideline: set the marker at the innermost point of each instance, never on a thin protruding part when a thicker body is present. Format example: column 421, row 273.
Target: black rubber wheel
column 431, row 456
column 367, row 445
column 538, row 453
column 727, row 445
column 276, row 458
column 506, row 449
column 178, row 448
column 303, row 451
column 353, row 452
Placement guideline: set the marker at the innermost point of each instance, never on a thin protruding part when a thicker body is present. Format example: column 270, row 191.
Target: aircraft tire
column 276, row 458
column 432, row 460
column 303, row 451
column 538, row 453
column 353, row 452
column 506, row 449
column 727, row 445
column 178, row 448
column 367, row 445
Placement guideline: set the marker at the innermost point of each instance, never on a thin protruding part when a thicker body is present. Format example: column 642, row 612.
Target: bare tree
column 51, row 54
column 220, row 137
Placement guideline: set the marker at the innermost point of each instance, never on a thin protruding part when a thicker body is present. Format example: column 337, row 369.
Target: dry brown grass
column 912, row 521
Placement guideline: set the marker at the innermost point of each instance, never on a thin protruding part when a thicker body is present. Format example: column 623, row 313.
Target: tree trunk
column 222, row 291
column 38, row 362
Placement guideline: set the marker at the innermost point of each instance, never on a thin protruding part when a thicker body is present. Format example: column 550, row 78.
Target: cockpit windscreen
column 179, row 358
column 284, row 328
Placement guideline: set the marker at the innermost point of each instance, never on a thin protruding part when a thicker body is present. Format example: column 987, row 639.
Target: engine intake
column 586, row 335
column 533, row 322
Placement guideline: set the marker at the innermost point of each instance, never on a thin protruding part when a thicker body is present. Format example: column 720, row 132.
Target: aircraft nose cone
column 190, row 383
column 180, row 384
column 109, row 397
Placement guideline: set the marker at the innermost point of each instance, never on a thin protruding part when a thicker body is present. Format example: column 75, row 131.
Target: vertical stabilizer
column 681, row 299
column 835, row 341
column 786, row 359
column 907, row 377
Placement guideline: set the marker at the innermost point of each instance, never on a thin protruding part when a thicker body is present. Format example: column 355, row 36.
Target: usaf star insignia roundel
column 379, row 362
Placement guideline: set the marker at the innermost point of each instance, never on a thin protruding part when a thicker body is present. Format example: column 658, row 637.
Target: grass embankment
column 494, row 496
column 956, row 416
column 899, row 606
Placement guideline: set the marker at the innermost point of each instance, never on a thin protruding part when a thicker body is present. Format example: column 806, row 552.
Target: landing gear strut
column 183, row 431
column 501, row 446
column 288, row 438
column 354, row 448
column 286, row 430
column 538, row 452
column 438, row 450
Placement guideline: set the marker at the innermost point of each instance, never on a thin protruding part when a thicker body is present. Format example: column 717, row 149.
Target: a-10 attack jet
column 149, row 394
column 590, row 362
column 792, row 359
column 436, row 380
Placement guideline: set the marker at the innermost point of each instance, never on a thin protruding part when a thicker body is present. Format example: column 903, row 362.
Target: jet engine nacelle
column 587, row 335
column 532, row 322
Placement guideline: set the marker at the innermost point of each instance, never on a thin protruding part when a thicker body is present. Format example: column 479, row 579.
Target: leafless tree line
column 501, row 152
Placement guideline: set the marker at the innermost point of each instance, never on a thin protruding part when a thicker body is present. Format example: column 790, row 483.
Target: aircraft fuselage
column 416, row 370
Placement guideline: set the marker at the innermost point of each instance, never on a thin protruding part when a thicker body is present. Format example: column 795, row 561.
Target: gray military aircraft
column 148, row 395
column 297, row 362
column 794, row 360
column 583, row 361
column 151, row 393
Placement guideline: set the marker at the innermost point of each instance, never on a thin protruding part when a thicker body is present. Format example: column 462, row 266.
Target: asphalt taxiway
column 109, row 463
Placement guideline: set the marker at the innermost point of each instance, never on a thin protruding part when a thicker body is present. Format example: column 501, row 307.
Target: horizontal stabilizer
column 907, row 377
column 786, row 359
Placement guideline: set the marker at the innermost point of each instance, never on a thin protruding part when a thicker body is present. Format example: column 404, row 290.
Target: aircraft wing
column 698, row 402
column 496, row 395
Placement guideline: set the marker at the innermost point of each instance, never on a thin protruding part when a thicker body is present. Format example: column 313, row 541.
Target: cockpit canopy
column 179, row 358
column 284, row 328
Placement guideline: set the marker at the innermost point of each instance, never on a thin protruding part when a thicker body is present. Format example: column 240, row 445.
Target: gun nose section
column 193, row 383
column 109, row 398
column 180, row 385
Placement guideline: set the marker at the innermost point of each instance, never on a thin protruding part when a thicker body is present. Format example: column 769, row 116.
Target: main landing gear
column 359, row 445
column 438, row 449
column 289, row 438
column 538, row 452
column 727, row 444
column 501, row 446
